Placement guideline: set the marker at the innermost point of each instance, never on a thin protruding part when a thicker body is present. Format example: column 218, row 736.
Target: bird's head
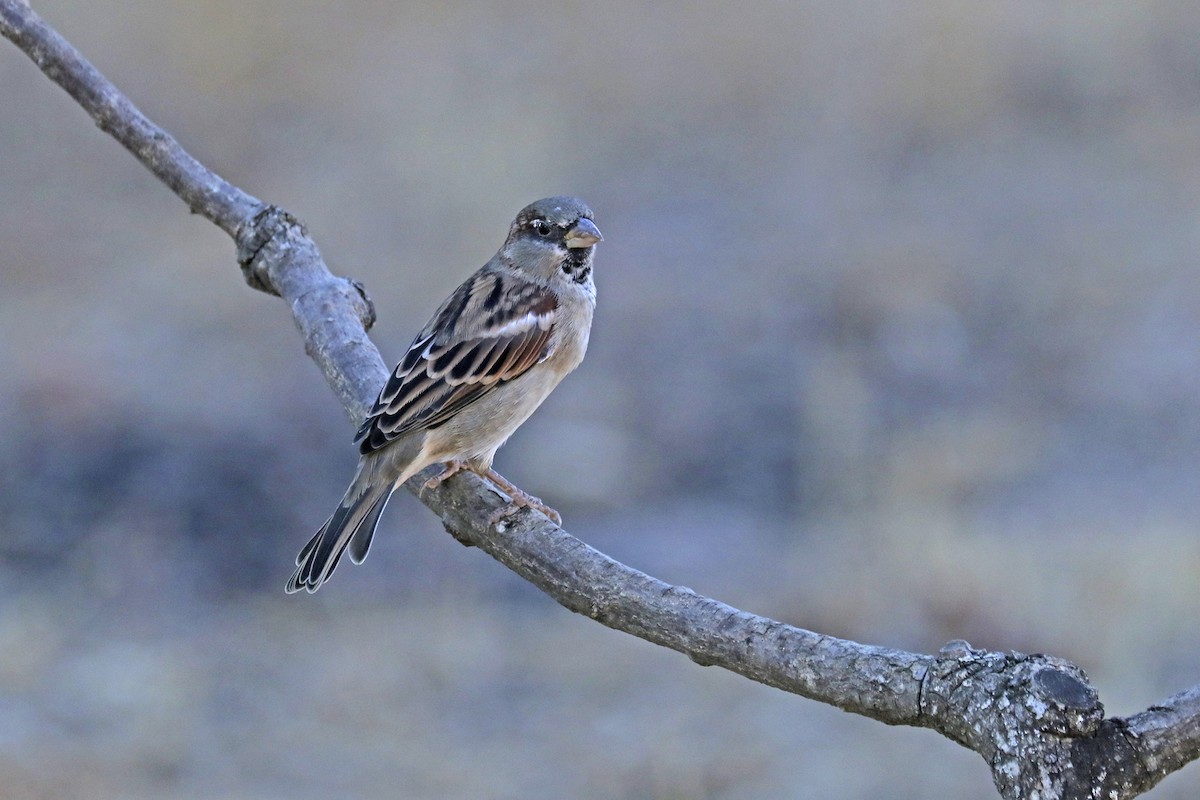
column 553, row 237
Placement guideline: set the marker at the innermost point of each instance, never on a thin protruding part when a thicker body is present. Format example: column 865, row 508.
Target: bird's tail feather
column 354, row 520
column 353, row 524
column 360, row 541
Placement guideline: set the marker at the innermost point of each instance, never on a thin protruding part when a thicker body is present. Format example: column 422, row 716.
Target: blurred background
column 898, row 340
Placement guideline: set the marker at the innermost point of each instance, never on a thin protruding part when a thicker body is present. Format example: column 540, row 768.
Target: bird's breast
column 569, row 342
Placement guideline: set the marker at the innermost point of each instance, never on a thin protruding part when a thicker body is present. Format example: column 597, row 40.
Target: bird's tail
column 351, row 526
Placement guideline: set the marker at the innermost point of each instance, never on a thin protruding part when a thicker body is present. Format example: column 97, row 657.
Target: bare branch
column 1035, row 719
column 1168, row 735
column 274, row 250
column 205, row 192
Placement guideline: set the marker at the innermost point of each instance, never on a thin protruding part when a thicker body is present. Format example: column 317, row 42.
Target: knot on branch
column 368, row 315
column 273, row 241
column 1024, row 714
column 1011, row 690
column 271, row 223
column 1062, row 700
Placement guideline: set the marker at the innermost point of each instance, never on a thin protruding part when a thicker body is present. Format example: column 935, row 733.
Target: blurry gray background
column 898, row 340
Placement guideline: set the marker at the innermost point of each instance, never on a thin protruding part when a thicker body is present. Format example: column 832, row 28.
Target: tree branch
column 1034, row 718
column 274, row 250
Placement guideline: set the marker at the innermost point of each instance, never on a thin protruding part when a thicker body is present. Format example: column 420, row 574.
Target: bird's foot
column 452, row 469
column 518, row 499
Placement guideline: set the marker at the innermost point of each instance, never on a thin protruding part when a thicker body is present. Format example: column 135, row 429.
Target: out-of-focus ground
column 898, row 340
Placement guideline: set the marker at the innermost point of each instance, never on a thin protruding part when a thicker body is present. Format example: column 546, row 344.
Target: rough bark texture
column 1034, row 718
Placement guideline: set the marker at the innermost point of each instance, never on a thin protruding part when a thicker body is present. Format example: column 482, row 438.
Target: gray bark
column 1034, row 719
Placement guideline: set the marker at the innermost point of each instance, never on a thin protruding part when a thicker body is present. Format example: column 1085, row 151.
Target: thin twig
column 204, row 191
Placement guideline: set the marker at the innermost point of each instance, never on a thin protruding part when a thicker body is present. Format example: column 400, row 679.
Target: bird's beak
column 583, row 234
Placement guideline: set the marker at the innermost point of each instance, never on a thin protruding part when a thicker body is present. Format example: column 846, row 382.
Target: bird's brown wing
column 491, row 330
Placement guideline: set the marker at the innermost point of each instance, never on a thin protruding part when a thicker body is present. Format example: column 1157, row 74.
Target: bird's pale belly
column 476, row 432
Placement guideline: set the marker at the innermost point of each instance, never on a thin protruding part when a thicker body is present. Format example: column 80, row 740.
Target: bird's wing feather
column 491, row 330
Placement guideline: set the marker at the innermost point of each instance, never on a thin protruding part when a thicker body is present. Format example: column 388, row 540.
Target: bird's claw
column 519, row 500
column 452, row 469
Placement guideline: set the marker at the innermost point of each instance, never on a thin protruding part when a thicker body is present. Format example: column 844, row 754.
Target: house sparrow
column 490, row 355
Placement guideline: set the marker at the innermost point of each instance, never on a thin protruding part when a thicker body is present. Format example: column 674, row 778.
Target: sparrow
column 493, row 351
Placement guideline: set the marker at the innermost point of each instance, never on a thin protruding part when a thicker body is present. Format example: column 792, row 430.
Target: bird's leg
column 452, row 469
column 519, row 498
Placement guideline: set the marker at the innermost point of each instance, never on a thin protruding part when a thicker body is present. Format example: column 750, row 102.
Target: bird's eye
column 542, row 227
